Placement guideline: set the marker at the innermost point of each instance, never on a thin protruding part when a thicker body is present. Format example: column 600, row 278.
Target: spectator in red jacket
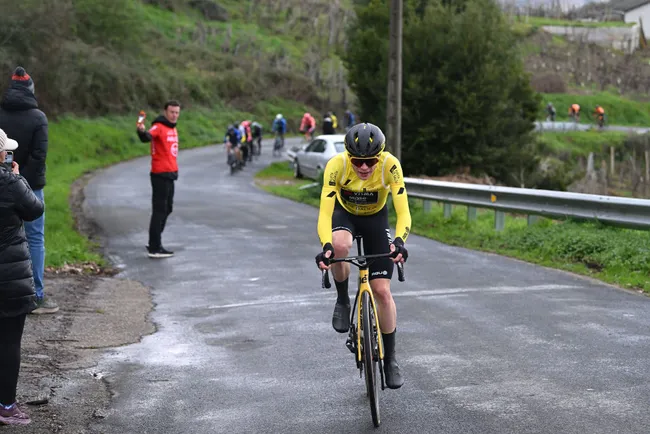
column 164, row 171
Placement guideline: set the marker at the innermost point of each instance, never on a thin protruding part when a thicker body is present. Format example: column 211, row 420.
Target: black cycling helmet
column 364, row 140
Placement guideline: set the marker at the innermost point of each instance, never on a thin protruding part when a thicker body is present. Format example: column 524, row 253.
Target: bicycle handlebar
column 362, row 261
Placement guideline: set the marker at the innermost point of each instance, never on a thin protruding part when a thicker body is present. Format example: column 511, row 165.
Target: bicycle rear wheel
column 370, row 357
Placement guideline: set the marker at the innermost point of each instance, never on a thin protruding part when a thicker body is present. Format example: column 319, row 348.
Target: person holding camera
column 18, row 204
column 164, row 171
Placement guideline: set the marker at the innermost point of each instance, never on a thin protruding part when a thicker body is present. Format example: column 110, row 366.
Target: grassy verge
column 581, row 143
column 278, row 179
column 78, row 146
column 618, row 110
column 617, row 256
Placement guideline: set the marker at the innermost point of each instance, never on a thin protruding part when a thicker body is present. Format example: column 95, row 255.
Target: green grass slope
column 115, row 57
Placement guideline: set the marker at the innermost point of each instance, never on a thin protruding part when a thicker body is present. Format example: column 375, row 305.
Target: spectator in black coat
column 21, row 119
column 18, row 203
column 328, row 124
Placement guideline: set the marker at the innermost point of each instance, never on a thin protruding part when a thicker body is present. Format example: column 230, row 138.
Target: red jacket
column 164, row 145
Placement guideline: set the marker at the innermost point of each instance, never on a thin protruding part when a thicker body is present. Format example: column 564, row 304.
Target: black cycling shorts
column 375, row 231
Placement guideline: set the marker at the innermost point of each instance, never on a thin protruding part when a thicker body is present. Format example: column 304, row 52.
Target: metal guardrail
column 613, row 210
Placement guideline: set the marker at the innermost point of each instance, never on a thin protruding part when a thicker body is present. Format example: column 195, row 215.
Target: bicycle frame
column 364, row 286
column 363, row 262
column 368, row 357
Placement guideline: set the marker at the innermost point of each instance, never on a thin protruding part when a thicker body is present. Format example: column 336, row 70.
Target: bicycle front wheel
column 370, row 357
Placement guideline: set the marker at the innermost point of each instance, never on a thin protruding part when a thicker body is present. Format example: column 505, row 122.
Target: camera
column 9, row 159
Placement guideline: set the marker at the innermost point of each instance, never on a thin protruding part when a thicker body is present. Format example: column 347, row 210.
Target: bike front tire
column 370, row 357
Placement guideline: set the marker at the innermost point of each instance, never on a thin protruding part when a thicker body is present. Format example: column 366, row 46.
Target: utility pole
column 394, row 100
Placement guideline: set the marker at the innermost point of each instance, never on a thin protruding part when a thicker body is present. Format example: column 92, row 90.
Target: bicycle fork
column 353, row 342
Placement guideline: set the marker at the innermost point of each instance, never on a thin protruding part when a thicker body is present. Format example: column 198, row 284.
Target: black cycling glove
column 321, row 256
column 399, row 248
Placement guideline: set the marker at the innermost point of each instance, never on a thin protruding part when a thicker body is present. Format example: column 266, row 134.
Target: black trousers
column 10, row 337
column 162, row 202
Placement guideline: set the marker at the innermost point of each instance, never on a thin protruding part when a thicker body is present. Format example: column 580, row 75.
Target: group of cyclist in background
column 243, row 140
column 574, row 114
column 329, row 124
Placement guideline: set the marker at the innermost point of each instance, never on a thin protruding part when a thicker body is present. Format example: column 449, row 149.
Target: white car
column 310, row 160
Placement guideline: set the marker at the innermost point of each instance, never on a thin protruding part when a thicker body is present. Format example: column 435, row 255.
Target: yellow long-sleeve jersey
column 363, row 197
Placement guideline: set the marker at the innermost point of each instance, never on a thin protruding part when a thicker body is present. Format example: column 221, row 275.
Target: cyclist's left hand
column 400, row 254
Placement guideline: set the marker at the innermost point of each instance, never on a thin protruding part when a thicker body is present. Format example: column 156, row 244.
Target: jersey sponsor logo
column 174, row 149
column 380, row 273
column 360, row 197
column 395, row 173
column 333, row 176
column 406, row 233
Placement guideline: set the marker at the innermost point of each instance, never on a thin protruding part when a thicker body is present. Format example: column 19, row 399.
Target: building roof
column 627, row 5
column 607, row 10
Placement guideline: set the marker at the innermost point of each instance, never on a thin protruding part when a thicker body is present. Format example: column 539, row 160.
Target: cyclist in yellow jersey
column 356, row 184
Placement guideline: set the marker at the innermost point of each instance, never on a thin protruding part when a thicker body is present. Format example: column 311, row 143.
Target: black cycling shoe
column 394, row 379
column 341, row 318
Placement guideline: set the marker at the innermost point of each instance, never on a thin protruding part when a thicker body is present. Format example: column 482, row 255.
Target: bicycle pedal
column 352, row 346
column 351, row 341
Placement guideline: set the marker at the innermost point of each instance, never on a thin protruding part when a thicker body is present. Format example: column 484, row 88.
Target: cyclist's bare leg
column 342, row 243
column 385, row 304
column 387, row 314
column 229, row 151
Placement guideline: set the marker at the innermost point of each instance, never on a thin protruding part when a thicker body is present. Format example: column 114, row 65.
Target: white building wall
column 642, row 12
column 621, row 38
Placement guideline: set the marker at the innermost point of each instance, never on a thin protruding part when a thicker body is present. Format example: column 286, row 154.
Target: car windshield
column 340, row 146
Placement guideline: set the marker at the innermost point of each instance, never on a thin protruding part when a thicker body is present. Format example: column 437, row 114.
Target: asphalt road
column 245, row 344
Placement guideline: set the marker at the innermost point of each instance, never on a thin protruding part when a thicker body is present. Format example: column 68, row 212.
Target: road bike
column 233, row 162
column 308, row 135
column 278, row 144
column 364, row 338
column 256, row 146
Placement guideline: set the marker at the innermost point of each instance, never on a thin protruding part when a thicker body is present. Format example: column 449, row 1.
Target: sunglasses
column 367, row 161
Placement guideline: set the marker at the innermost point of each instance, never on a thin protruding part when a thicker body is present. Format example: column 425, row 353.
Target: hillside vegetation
column 95, row 57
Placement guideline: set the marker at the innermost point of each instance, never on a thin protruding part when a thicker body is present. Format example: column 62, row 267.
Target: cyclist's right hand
column 323, row 258
column 398, row 251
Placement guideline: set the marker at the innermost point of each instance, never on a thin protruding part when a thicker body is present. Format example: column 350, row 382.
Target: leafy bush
column 467, row 101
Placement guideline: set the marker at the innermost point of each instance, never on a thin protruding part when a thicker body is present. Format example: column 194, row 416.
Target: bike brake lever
column 326, row 279
column 400, row 272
